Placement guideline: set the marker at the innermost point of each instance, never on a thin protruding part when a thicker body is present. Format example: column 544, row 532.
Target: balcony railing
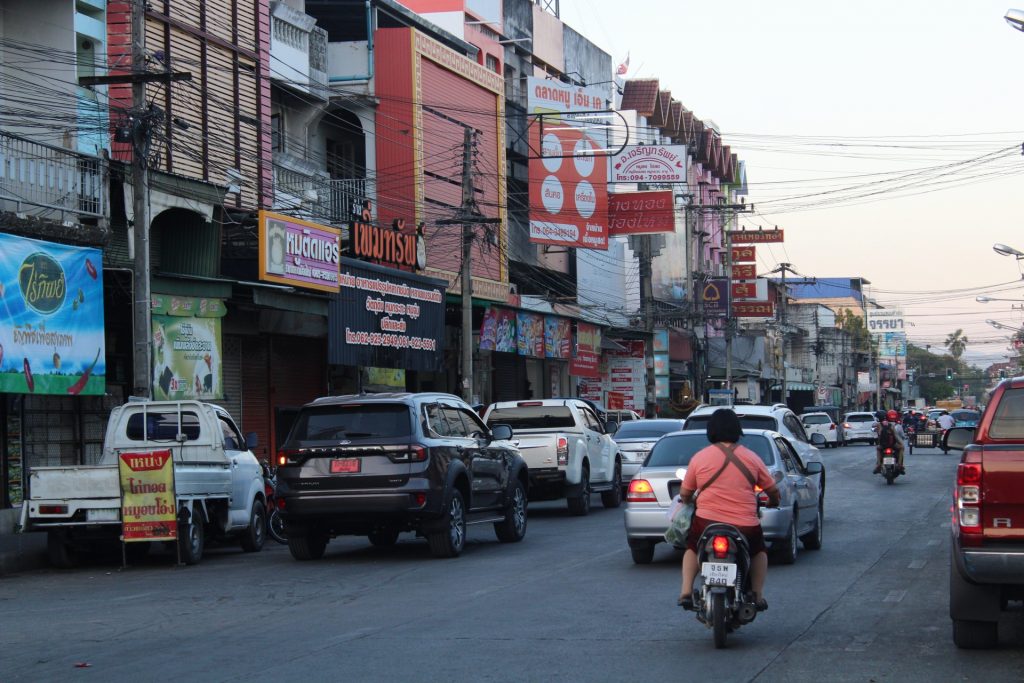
column 49, row 179
column 323, row 199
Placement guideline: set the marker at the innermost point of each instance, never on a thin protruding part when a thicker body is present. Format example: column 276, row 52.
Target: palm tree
column 956, row 343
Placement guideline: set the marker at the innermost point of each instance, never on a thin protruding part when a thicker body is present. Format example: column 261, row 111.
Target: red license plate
column 344, row 465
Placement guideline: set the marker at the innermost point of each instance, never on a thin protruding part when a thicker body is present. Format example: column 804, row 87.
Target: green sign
column 186, row 358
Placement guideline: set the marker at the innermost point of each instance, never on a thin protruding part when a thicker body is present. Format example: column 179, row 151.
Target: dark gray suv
column 377, row 465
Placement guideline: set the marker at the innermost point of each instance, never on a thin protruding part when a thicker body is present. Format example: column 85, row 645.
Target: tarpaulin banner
column 588, row 352
column 530, row 334
column 148, row 509
column 186, row 358
column 51, row 318
column 557, row 337
column 498, row 330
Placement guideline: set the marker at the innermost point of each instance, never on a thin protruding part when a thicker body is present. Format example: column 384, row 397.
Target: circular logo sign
column 42, row 282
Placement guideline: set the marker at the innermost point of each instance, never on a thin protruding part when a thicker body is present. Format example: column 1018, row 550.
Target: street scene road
column 565, row 604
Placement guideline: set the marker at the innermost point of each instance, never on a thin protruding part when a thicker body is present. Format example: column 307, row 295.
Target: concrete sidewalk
column 19, row 552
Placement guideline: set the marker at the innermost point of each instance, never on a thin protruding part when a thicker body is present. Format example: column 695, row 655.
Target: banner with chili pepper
column 51, row 318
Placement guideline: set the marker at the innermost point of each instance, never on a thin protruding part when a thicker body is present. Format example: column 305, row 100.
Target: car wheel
column 256, row 535
column 513, row 528
column 787, row 549
column 383, row 538
column 642, row 553
column 580, row 504
column 192, row 537
column 450, row 541
column 613, row 498
column 59, row 550
column 975, row 635
column 812, row 539
column 308, row 545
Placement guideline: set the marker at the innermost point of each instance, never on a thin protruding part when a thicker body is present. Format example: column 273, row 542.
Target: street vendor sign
column 148, row 509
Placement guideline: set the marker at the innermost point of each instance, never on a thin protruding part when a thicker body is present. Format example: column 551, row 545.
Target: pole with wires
column 140, row 134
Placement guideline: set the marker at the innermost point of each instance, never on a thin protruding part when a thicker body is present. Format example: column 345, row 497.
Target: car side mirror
column 818, row 439
column 501, row 432
column 957, row 438
column 814, row 468
column 251, row 440
column 611, row 426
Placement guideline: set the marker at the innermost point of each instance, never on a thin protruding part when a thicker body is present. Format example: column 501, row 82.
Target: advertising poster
column 186, row 358
column 650, row 164
column 588, row 351
column 298, row 253
column 637, row 213
column 627, row 375
column 51, row 318
column 148, row 509
column 530, row 334
column 498, row 330
column 557, row 337
column 660, row 341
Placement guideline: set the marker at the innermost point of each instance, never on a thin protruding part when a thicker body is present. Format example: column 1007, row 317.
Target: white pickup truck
column 568, row 450
column 218, row 483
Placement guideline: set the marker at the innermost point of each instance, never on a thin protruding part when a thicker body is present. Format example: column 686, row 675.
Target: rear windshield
column 1008, row 421
column 356, row 421
column 162, row 426
column 965, row 415
column 817, row 419
column 532, row 417
column 746, row 422
column 646, row 429
column 676, row 451
column 860, row 418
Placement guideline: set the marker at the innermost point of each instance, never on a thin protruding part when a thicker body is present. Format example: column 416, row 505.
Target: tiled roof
column 661, row 112
column 640, row 95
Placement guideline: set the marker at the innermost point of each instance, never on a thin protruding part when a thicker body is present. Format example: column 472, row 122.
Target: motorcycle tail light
column 720, row 545
column 762, row 497
column 888, row 451
column 280, row 503
column 268, row 490
column 640, row 491
column 562, row 450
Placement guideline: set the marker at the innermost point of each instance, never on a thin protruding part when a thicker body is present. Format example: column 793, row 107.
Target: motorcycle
column 890, row 470
column 275, row 523
column 722, row 597
column 910, row 431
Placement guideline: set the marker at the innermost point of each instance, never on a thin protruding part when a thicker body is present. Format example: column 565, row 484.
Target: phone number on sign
column 648, row 178
column 396, row 341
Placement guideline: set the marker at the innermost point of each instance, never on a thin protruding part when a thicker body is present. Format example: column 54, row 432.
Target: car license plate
column 102, row 515
column 719, row 573
column 344, row 465
column 888, row 461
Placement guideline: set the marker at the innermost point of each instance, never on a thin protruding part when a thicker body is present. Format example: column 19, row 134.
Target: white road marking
column 895, row 596
column 917, row 564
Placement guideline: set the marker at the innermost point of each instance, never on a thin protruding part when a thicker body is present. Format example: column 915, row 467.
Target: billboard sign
column 882, row 320
column 498, row 330
column 754, row 236
column 588, row 351
column 51, row 318
column 744, row 254
column 754, row 290
column 298, row 253
column 744, row 271
column 637, row 213
column 715, row 297
column 650, row 164
column 753, row 309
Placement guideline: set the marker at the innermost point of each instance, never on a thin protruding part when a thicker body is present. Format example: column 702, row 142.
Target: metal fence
column 34, row 174
column 331, row 200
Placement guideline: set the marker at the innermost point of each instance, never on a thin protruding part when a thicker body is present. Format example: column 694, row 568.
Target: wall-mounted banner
column 754, row 290
column 385, row 318
column 715, row 297
column 397, row 247
column 650, row 164
column 51, row 318
column 298, row 253
column 744, row 271
column 557, row 337
column 546, row 96
column 530, row 334
column 754, row 236
column 661, row 341
column 882, row 320
column 186, row 358
column 588, row 352
column 744, row 254
column 148, row 508
column 498, row 330
column 753, row 309
column 635, row 213
column 661, row 387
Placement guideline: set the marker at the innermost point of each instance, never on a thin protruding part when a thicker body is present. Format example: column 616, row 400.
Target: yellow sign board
column 148, row 508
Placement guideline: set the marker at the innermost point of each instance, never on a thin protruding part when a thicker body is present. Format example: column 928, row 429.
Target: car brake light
column 528, row 404
column 418, row 499
column 846, row 425
column 967, row 515
column 641, row 491
column 832, row 426
column 53, row 509
column 720, row 544
column 562, row 450
column 410, row 453
column 280, row 503
column 286, row 457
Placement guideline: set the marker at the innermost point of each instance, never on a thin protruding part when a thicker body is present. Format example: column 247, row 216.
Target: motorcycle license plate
column 344, row 465
column 719, row 573
column 888, row 461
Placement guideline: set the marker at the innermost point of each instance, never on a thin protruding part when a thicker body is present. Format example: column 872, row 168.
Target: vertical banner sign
column 627, row 375
column 148, row 509
column 187, row 348
column 557, row 337
column 661, row 364
column 498, row 330
column 588, row 350
column 715, row 297
column 744, row 271
column 530, row 334
column 51, row 318
column 747, row 254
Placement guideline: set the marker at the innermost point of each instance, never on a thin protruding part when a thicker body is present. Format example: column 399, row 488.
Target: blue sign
column 714, row 294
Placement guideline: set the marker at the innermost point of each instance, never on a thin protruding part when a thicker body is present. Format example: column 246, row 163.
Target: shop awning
column 795, row 386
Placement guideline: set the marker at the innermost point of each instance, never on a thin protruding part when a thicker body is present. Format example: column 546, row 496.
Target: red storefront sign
column 753, row 309
column 634, row 213
column 743, row 254
column 744, row 271
column 616, row 400
column 754, row 236
column 744, row 290
column 588, row 351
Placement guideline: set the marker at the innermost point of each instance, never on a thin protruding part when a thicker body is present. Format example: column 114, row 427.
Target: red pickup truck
column 987, row 567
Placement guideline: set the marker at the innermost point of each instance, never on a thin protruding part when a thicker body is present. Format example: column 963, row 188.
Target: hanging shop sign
column 754, row 236
column 588, row 352
column 298, row 253
column 715, row 298
column 530, row 334
column 187, row 347
column 882, row 320
column 546, row 96
column 51, row 318
column 385, row 318
column 744, row 271
column 397, row 246
column 744, row 254
column 148, row 508
column 498, row 330
column 754, row 290
column 753, row 309
column 650, row 164
column 557, row 337
column 637, row 213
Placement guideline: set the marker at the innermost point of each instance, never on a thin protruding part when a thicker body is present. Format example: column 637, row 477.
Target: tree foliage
column 956, row 343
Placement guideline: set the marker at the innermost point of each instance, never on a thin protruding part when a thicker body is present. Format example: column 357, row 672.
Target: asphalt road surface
column 565, row 604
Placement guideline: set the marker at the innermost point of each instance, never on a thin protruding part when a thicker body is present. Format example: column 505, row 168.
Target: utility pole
column 469, row 216
column 141, row 318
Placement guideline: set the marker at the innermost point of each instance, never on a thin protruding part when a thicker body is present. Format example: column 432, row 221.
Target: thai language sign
column 187, row 348
column 753, row 309
column 744, row 271
column 633, row 213
column 754, row 236
column 884, row 320
column 715, row 297
column 650, row 164
column 627, row 376
column 744, row 254
column 588, row 351
column 148, row 508
column 298, row 253
column 51, row 318
column 386, row 318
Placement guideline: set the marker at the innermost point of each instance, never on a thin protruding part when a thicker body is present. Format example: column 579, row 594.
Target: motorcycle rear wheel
column 718, row 619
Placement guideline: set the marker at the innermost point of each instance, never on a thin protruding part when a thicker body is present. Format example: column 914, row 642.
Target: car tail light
column 641, row 491
column 968, row 498
column 846, row 425
column 832, row 427
column 411, row 453
column 268, row 490
column 280, row 503
column 562, row 450
column 720, row 545
column 285, row 457
column 53, row 509
column 418, row 499
column 529, row 404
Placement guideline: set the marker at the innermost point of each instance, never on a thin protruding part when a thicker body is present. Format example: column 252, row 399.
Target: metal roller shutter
column 231, row 370
column 298, row 374
column 255, row 402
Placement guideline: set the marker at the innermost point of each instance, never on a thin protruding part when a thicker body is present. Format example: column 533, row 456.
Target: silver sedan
column 636, row 438
column 800, row 511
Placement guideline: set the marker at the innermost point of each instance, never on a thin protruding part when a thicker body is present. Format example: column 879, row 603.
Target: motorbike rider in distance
column 890, row 435
column 725, row 474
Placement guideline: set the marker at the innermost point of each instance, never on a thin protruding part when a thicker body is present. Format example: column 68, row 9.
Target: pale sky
column 914, row 109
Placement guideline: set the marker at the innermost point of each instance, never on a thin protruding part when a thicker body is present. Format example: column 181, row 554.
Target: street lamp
column 982, row 299
column 1000, row 326
column 1015, row 18
column 1003, row 249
